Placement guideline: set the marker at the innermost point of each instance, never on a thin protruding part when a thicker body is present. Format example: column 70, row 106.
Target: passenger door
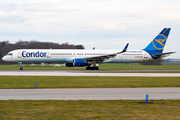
column 48, row 54
column 19, row 55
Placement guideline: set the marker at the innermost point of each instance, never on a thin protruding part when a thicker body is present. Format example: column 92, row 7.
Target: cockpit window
column 10, row 54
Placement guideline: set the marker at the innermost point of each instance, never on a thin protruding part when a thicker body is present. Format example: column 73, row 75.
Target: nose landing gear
column 20, row 65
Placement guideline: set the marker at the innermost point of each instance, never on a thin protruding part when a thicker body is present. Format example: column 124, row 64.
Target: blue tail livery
column 158, row 43
column 155, row 48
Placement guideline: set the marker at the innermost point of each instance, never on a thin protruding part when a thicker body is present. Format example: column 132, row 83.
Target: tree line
column 5, row 46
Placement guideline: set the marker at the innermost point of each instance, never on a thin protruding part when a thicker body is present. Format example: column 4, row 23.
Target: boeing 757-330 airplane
column 79, row 58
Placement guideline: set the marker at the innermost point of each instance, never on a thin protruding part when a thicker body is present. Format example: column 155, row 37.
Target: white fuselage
column 67, row 55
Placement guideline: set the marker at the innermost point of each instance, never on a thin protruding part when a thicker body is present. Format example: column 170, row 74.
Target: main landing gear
column 92, row 68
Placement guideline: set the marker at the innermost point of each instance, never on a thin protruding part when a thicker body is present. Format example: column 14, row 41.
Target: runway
column 91, row 94
column 87, row 93
column 79, row 73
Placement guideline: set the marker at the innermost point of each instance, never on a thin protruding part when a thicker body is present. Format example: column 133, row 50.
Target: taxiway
column 91, row 94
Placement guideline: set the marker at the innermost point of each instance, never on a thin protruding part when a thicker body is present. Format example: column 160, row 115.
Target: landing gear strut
column 94, row 66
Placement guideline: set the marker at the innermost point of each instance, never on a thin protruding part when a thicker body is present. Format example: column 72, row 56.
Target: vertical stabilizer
column 158, row 43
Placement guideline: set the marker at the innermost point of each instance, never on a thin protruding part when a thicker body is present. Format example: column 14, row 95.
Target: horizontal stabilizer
column 163, row 53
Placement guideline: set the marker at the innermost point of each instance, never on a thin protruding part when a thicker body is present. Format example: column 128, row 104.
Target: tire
column 96, row 68
column 91, row 68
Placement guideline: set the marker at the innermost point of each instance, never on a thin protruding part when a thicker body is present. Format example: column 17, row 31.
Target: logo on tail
column 159, row 42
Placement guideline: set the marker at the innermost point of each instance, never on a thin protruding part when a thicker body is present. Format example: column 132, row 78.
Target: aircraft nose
column 4, row 58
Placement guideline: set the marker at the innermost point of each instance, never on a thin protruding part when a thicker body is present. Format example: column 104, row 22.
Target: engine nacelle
column 80, row 62
column 69, row 64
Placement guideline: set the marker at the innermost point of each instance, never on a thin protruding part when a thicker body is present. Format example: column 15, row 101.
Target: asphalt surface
column 79, row 73
column 91, row 94
column 87, row 93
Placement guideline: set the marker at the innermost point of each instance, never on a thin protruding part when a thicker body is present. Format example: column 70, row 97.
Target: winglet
column 125, row 48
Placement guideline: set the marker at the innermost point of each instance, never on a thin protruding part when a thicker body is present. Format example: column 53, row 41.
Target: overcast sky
column 104, row 24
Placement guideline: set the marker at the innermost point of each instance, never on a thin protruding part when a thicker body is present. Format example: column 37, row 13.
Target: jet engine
column 80, row 62
column 69, row 64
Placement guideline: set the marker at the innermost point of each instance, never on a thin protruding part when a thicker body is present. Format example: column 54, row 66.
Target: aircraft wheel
column 96, row 68
column 91, row 68
column 87, row 68
column 21, row 68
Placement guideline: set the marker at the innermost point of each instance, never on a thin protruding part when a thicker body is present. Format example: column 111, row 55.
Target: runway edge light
column 146, row 100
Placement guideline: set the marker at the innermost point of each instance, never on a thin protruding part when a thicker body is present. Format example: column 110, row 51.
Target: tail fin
column 158, row 43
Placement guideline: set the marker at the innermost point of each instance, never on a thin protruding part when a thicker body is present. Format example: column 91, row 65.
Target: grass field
column 121, row 66
column 86, row 82
column 89, row 110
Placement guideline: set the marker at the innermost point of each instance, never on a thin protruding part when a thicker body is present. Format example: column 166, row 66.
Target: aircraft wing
column 168, row 53
column 107, row 56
